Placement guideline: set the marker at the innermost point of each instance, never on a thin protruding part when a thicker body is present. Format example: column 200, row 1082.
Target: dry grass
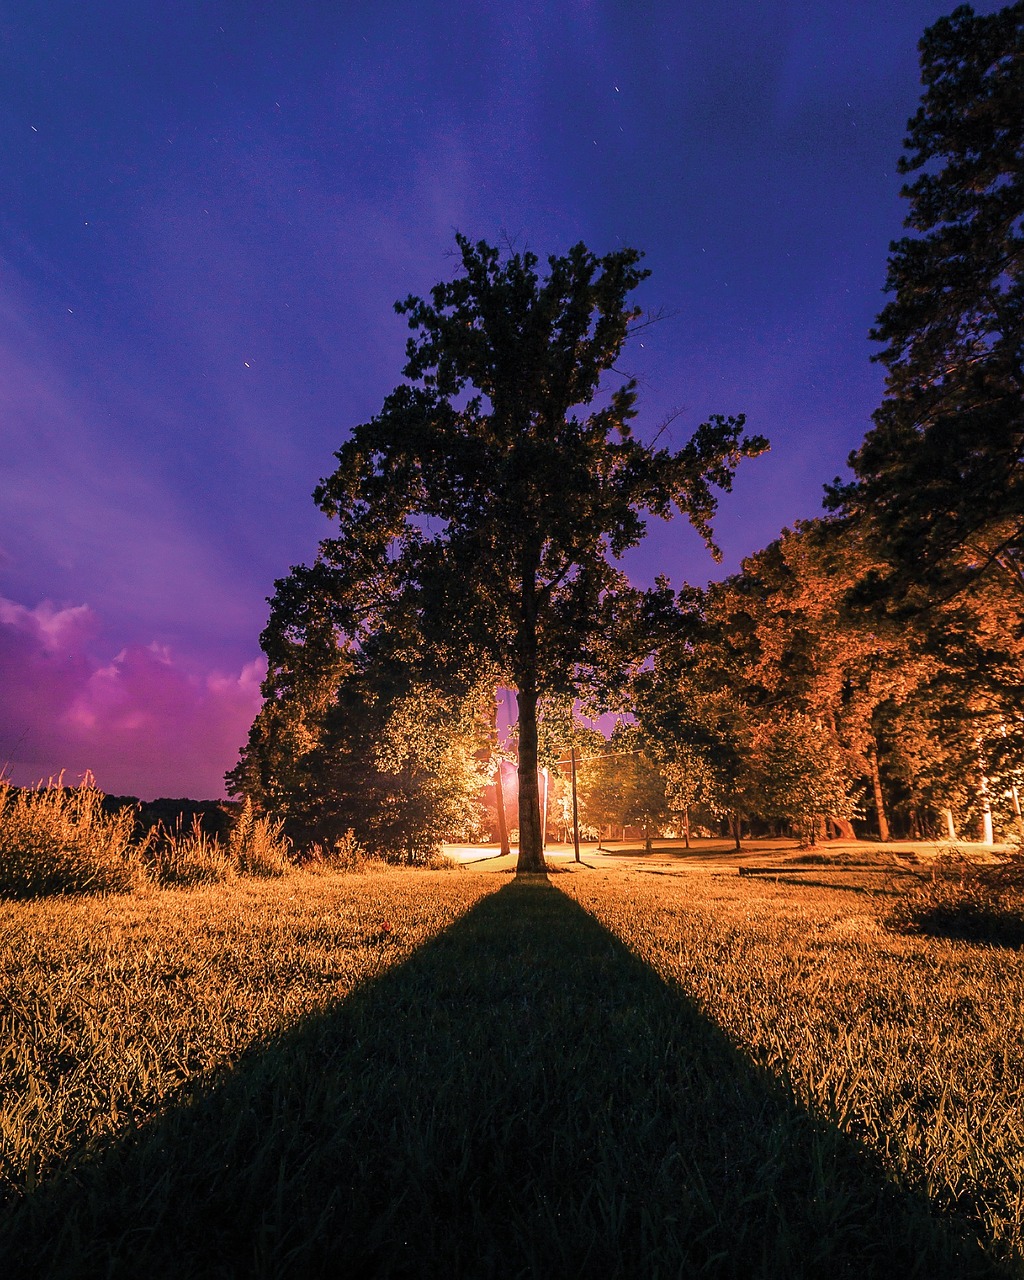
column 59, row 840
column 912, row 1045
column 180, row 859
column 257, row 845
column 407, row 1073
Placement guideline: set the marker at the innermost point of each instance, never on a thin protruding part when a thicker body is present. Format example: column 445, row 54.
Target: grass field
column 650, row 1067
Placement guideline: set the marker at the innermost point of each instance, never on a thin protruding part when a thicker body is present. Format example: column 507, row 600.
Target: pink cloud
column 138, row 721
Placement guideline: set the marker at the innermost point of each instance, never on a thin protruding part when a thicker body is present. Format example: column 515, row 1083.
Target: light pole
column 575, row 809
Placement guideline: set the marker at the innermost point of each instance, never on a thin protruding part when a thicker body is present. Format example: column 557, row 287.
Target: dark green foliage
column 478, row 514
column 372, row 754
column 940, row 478
column 395, row 765
column 214, row 816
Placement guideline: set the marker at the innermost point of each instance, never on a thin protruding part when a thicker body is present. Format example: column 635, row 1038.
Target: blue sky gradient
column 210, row 208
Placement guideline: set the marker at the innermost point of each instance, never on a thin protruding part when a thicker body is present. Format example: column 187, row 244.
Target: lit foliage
column 432, row 769
column 58, row 840
column 692, row 714
column 802, row 773
column 397, row 764
column 623, row 787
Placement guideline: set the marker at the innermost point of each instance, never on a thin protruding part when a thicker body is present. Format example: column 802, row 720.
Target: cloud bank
column 139, row 721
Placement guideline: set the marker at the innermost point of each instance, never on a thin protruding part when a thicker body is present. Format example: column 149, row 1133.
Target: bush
column 346, row 854
column 978, row 906
column 184, row 859
column 58, row 839
column 257, row 846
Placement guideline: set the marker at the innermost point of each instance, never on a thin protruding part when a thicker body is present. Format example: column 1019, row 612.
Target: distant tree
column 804, row 775
column 306, row 664
column 692, row 713
column 396, row 763
column 689, row 781
column 482, row 512
column 940, row 477
column 624, row 786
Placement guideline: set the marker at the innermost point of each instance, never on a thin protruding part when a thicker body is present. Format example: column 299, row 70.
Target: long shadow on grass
column 882, row 890
column 521, row 1097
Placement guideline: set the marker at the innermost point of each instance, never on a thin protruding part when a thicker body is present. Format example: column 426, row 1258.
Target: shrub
column 346, row 854
column 58, row 839
column 257, row 846
column 193, row 857
column 980, row 905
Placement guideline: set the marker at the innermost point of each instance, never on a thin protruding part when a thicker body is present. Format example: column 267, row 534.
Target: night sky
column 209, row 208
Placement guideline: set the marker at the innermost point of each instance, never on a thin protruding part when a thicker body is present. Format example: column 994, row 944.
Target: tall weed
column 57, row 839
column 191, row 857
column 257, row 845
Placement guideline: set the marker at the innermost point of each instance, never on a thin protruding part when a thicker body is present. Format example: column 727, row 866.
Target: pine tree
column 940, row 477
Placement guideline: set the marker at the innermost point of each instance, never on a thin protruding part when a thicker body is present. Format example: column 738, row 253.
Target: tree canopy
column 870, row 658
column 480, row 512
column 940, row 477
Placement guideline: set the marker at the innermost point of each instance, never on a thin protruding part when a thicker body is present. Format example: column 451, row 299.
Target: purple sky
column 209, row 208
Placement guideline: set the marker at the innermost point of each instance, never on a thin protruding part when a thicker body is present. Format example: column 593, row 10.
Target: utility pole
column 499, row 795
column 575, row 809
column 544, row 811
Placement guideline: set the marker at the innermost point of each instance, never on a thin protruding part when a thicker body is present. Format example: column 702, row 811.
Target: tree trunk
column 1015, row 797
column 686, row 827
column 499, row 792
column 736, row 832
column 950, row 828
column 876, row 787
column 987, row 834
column 531, row 839
column 647, row 835
column 845, row 828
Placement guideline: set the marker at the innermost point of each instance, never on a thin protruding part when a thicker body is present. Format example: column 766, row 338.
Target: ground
column 642, row 1065
column 721, row 854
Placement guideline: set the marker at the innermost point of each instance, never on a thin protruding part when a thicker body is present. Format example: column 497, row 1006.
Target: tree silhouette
column 480, row 512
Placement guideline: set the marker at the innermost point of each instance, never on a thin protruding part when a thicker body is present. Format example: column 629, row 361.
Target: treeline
column 786, row 696
column 214, row 817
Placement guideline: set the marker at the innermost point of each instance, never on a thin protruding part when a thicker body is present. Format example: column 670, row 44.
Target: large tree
column 485, row 504
column 940, row 477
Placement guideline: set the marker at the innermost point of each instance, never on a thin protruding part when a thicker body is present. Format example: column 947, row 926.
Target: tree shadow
column 521, row 1097
column 801, row 881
